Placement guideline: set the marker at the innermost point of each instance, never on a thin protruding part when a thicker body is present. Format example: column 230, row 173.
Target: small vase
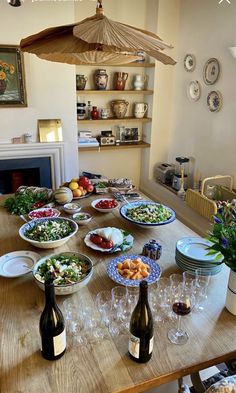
column 101, row 79
column 94, row 113
column 230, row 303
column 3, row 86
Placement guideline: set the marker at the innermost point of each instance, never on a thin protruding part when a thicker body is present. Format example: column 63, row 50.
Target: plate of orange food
column 129, row 270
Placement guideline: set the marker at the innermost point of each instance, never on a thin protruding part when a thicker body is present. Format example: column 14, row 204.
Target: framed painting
column 12, row 78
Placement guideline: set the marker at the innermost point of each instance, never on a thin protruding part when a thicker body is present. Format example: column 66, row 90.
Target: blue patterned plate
column 125, row 210
column 155, row 271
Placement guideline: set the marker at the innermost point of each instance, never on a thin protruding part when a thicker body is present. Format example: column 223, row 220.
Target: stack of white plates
column 191, row 254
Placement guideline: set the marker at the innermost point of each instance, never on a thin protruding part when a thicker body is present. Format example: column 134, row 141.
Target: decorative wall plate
column 194, row 91
column 214, row 101
column 189, row 62
column 211, row 71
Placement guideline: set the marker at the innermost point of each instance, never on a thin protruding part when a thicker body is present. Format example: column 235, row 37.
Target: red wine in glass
column 181, row 308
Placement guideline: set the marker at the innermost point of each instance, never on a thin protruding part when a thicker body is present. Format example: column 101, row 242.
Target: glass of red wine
column 182, row 304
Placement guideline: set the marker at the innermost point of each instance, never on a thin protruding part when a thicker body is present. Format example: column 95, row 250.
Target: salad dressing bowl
column 72, row 271
column 48, row 232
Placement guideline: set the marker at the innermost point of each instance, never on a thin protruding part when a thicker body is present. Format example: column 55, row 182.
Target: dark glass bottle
column 141, row 328
column 52, row 326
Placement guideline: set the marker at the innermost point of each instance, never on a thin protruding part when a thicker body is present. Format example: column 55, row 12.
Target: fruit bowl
column 48, row 232
column 80, row 264
column 105, row 205
column 80, row 187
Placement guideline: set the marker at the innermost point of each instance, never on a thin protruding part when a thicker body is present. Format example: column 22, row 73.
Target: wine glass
column 182, row 304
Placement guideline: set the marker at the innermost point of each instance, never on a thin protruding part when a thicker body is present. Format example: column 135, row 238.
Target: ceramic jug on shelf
column 139, row 81
column 119, row 108
column 140, row 108
column 81, row 81
column 120, row 80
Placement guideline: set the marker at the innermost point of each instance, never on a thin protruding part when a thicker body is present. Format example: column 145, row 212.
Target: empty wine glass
column 182, row 304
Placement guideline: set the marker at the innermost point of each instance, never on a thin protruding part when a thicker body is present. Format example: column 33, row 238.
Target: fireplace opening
column 24, row 171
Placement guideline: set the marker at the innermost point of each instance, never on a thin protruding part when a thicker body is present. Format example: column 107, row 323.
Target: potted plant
column 223, row 238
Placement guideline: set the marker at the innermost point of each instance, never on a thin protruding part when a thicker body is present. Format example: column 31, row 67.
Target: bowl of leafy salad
column 70, row 271
column 48, row 232
column 147, row 214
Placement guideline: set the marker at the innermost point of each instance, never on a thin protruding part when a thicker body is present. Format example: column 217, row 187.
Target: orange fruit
column 76, row 193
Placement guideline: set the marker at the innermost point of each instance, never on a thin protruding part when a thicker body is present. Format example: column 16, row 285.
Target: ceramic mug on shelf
column 140, row 108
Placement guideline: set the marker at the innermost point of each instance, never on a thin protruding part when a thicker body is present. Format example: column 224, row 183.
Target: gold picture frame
column 50, row 130
column 12, row 77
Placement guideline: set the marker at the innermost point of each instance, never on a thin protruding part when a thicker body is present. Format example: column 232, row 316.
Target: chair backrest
column 225, row 385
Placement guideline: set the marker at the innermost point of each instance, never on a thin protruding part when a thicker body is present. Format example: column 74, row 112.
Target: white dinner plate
column 199, row 263
column 126, row 245
column 17, row 263
column 205, row 271
column 194, row 248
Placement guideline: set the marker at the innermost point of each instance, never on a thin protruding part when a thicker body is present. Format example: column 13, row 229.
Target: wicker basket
column 205, row 206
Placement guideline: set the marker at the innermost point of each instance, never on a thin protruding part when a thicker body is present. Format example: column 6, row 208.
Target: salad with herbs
column 49, row 230
column 65, row 269
column 149, row 213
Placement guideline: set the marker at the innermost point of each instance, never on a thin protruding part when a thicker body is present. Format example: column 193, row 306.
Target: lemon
column 73, row 185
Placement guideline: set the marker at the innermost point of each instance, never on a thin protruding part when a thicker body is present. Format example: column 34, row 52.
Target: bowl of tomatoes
column 105, row 205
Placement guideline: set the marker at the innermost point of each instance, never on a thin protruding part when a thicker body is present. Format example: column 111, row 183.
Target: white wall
column 50, row 86
column 122, row 163
column 207, row 29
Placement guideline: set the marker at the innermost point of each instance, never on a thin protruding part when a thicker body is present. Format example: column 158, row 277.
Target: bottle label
column 150, row 345
column 59, row 343
column 134, row 345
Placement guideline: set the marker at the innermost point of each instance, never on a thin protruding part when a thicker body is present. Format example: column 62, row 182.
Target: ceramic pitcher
column 120, row 80
column 140, row 108
column 139, row 81
column 119, row 108
column 81, row 82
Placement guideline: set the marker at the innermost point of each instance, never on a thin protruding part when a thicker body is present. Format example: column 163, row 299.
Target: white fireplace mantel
column 54, row 150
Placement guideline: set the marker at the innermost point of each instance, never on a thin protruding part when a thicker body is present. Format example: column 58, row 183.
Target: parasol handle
column 99, row 9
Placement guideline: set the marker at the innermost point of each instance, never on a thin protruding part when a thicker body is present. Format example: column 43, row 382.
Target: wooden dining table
column 104, row 366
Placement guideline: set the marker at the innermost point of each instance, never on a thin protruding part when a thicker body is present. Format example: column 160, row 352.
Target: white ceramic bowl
column 125, row 213
column 47, row 212
column 94, row 203
column 82, row 218
column 68, row 288
column 50, row 243
column 71, row 208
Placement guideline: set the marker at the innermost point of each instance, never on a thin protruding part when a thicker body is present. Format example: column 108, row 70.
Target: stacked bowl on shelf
column 191, row 254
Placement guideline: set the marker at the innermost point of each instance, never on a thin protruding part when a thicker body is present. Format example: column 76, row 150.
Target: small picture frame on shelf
column 129, row 135
column 50, row 130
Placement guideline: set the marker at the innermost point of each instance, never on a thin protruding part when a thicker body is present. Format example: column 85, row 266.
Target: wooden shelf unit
column 138, row 145
column 134, row 64
column 115, row 120
column 144, row 92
